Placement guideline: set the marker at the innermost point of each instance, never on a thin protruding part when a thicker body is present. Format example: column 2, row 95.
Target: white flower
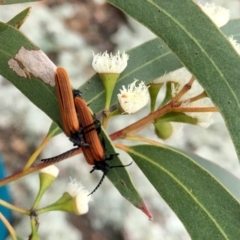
column 134, row 97
column 219, row 15
column 203, row 118
column 179, row 78
column 108, row 63
column 50, row 170
column 235, row 45
column 81, row 196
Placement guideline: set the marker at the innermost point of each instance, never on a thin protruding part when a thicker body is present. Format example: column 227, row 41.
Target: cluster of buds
column 109, row 68
column 133, row 98
column 173, row 84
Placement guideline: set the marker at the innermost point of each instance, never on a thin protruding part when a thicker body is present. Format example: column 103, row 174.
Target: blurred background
column 68, row 32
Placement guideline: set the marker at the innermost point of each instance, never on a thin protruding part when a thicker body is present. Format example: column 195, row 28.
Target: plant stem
column 37, row 152
column 8, row 226
column 146, row 140
column 185, row 88
column 22, row 173
column 142, row 123
column 14, row 208
column 194, row 109
column 34, row 227
column 200, row 96
column 25, row 172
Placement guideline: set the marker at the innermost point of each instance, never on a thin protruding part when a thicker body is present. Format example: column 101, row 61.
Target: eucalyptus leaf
column 117, row 173
column 231, row 182
column 20, row 18
column 120, row 177
column 40, row 93
column 204, row 206
column 5, row 2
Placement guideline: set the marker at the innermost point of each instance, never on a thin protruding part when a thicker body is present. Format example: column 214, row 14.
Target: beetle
column 64, row 92
column 81, row 127
column 95, row 152
column 66, row 102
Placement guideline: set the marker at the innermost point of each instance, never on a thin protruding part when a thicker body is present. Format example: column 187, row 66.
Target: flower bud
column 74, row 200
column 153, row 90
column 163, row 129
column 47, row 176
column 109, row 68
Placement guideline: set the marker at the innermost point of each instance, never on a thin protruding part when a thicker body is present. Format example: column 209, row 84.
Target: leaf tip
column 144, row 208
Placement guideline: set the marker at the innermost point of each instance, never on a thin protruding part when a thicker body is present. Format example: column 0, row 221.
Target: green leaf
column 231, row 182
column 120, row 177
column 11, row 41
column 54, row 130
column 5, row 2
column 205, row 207
column 20, row 18
column 200, row 46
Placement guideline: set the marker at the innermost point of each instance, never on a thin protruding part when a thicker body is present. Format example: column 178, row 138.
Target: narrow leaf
column 120, row 177
column 231, row 182
column 40, row 93
column 205, row 207
column 5, row 2
column 20, row 18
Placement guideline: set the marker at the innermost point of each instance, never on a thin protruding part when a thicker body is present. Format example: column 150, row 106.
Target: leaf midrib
column 183, row 186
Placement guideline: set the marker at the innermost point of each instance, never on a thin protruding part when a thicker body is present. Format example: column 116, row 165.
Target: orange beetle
column 95, row 151
column 65, row 102
column 64, row 91
column 80, row 126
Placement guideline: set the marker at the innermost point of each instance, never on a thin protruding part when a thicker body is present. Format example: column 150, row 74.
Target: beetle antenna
column 105, row 168
column 121, row 165
column 100, row 182
column 61, row 156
